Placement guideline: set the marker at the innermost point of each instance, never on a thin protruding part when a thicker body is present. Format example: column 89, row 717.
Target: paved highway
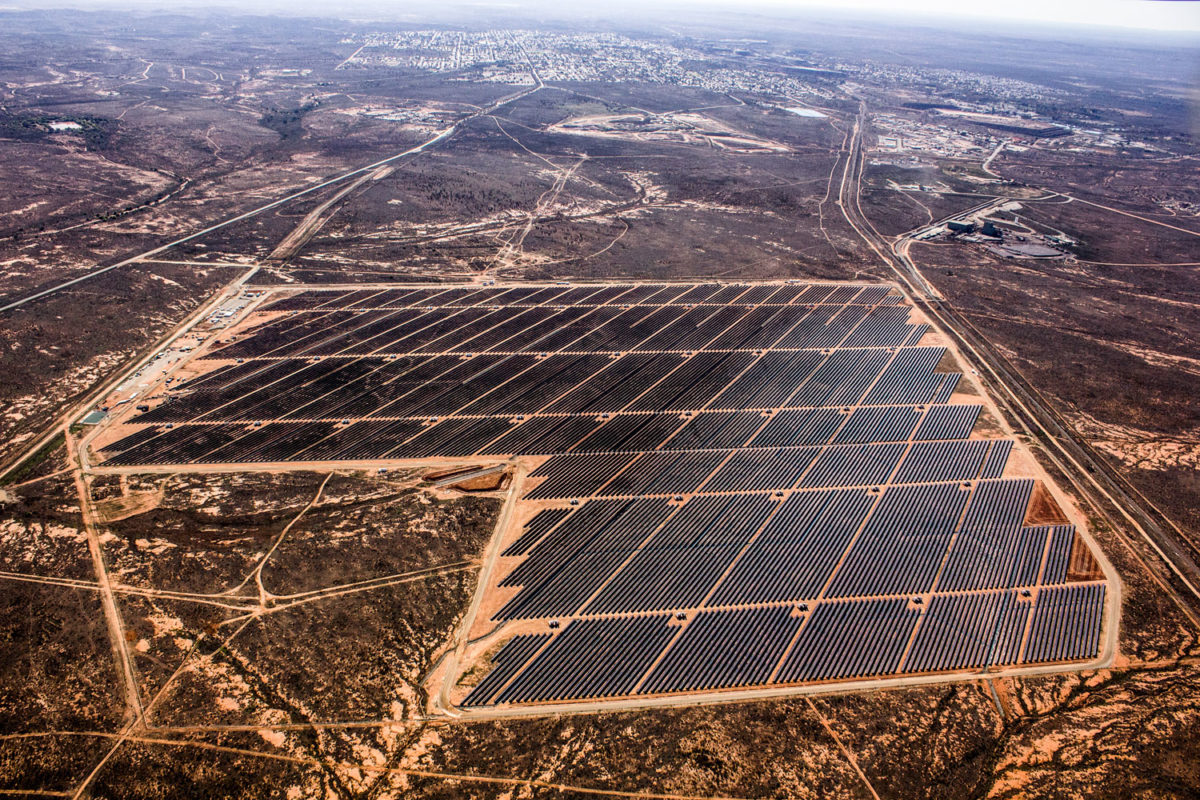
column 1090, row 474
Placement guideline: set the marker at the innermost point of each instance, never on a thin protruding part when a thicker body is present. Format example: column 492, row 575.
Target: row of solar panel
column 669, row 472
column 725, row 649
column 663, row 472
column 573, row 328
column 491, row 384
column 556, row 435
column 641, row 293
column 647, row 555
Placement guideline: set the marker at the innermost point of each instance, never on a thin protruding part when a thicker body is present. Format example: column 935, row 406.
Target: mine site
column 521, row 403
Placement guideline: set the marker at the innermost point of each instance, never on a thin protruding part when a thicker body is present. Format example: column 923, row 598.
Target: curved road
column 1098, row 482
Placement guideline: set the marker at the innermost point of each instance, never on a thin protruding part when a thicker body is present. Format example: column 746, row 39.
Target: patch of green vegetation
column 584, row 107
column 26, row 468
column 973, row 170
column 96, row 132
column 880, row 174
column 287, row 122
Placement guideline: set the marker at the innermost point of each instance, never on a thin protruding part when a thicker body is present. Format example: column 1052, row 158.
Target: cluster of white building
column 507, row 56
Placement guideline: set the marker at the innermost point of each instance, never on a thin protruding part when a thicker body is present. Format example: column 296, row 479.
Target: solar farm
column 718, row 487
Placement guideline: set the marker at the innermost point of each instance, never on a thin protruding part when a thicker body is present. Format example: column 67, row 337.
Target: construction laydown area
column 722, row 486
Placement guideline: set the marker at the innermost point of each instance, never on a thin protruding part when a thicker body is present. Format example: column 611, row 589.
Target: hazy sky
column 1171, row 15
column 1181, row 16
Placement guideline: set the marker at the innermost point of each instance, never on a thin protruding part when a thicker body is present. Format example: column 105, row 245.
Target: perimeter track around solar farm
column 721, row 490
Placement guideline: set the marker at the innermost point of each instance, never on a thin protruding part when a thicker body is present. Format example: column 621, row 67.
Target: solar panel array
column 744, row 484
